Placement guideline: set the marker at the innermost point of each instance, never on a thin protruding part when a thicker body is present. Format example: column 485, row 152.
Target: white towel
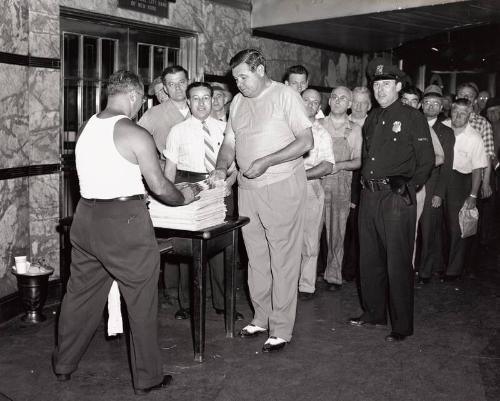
column 115, row 322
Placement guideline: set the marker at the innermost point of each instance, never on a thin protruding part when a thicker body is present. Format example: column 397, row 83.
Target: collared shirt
column 185, row 144
column 351, row 132
column 263, row 125
column 482, row 125
column 159, row 119
column 397, row 142
column 469, row 153
column 323, row 148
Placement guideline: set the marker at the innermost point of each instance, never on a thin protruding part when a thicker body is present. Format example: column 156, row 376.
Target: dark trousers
column 457, row 191
column 431, row 236
column 112, row 240
column 386, row 237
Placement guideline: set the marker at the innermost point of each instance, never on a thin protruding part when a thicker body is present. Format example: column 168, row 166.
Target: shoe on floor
column 63, row 377
column 251, row 330
column 167, row 379
column 395, row 337
column 274, row 344
column 358, row 322
column 237, row 315
column 182, row 314
column 333, row 287
column 423, row 280
column 305, row 296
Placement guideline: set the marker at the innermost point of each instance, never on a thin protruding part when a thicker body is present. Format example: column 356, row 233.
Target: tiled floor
column 453, row 356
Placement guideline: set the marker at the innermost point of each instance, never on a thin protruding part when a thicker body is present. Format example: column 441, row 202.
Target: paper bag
column 468, row 218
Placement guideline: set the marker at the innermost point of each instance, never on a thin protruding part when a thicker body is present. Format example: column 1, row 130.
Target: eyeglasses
column 342, row 98
column 181, row 83
column 431, row 103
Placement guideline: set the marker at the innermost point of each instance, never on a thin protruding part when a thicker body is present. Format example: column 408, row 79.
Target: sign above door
column 155, row 7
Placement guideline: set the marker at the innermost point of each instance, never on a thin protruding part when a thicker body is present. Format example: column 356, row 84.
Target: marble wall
column 29, row 135
column 30, row 101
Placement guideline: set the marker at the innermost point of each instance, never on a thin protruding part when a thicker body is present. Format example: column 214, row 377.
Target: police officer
column 397, row 159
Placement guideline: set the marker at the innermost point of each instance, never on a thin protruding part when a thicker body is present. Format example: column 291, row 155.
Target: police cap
column 379, row 69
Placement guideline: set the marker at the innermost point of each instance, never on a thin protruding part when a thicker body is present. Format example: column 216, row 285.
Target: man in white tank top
column 112, row 235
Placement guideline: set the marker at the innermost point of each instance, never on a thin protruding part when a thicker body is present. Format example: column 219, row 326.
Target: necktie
column 210, row 157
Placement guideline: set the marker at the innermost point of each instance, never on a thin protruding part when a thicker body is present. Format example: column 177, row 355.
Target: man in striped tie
column 191, row 153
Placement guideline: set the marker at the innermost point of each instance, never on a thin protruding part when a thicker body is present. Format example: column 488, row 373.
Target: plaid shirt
column 481, row 125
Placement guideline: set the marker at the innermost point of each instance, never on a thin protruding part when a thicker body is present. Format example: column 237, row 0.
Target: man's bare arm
column 137, row 142
column 319, row 170
column 225, row 158
column 170, row 170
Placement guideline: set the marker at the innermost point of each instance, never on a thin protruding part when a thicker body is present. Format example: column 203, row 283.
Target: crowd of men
column 373, row 178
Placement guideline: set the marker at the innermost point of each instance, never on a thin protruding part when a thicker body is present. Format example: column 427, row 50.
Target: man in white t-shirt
column 267, row 133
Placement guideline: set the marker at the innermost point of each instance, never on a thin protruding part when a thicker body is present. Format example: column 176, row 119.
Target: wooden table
column 199, row 246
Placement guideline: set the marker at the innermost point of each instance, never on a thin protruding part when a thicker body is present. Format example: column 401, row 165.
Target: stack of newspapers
column 207, row 211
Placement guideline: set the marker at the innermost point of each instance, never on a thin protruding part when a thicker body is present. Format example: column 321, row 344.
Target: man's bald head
column 312, row 101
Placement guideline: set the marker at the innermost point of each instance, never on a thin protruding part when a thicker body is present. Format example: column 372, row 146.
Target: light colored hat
column 433, row 90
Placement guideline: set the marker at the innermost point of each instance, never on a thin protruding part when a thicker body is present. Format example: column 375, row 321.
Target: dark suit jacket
column 442, row 174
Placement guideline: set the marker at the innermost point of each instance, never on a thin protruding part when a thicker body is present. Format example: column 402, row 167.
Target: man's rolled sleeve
column 171, row 151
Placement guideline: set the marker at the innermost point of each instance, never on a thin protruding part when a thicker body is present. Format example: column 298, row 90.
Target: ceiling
column 462, row 34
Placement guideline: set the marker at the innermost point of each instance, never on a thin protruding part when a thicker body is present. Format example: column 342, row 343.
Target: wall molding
column 30, row 61
column 239, row 4
column 29, row 171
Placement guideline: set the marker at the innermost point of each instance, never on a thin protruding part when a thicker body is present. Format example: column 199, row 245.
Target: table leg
column 199, row 267
column 229, row 284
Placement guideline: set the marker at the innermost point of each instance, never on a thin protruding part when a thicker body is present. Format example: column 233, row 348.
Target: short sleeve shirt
column 266, row 124
column 469, row 153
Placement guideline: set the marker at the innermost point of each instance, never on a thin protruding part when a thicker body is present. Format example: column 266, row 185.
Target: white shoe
column 274, row 344
column 251, row 330
column 275, row 341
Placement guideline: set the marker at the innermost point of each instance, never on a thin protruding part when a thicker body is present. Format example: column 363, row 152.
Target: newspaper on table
column 207, row 211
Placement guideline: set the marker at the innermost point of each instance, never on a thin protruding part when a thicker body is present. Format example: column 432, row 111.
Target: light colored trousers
column 420, row 208
column 313, row 224
column 337, row 189
column 273, row 240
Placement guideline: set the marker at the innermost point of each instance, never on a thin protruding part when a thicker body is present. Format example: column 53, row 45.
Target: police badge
column 379, row 70
column 396, row 127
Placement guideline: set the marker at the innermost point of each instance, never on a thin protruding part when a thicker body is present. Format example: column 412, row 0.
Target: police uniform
column 397, row 158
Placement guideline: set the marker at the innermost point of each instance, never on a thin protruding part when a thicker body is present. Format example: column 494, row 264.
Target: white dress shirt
column 185, row 144
column 469, row 153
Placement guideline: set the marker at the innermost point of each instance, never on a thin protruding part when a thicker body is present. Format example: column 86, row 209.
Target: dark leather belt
column 189, row 176
column 375, row 184
column 120, row 199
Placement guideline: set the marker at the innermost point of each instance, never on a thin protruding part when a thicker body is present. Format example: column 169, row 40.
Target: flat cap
column 379, row 69
column 433, row 90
